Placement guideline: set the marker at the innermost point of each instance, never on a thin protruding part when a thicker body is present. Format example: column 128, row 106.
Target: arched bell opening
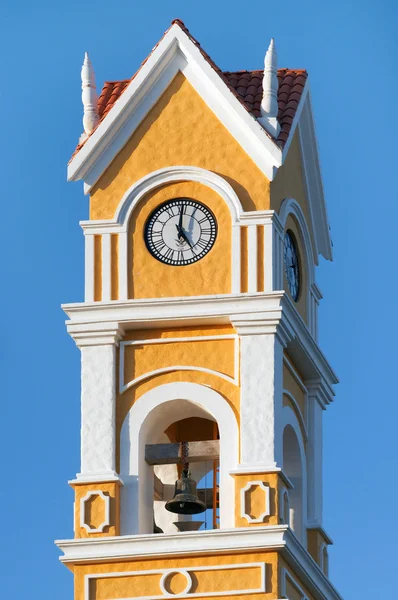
column 172, row 411
column 204, row 472
column 292, row 467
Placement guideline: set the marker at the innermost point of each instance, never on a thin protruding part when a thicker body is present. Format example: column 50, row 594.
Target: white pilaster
column 314, row 456
column 252, row 258
column 261, row 393
column 235, row 283
column 106, row 266
column 89, row 268
column 98, row 396
column 123, row 265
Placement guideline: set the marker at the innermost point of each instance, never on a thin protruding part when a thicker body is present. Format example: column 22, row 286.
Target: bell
column 185, row 501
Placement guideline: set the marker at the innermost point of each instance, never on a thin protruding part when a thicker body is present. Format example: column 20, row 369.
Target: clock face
column 180, row 232
column 292, row 267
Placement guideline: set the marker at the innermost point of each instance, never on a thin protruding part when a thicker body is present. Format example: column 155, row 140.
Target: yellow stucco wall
column 289, row 182
column 291, row 384
column 130, row 586
column 94, row 512
column 217, row 354
column 255, row 503
column 180, row 130
column 292, row 588
column 149, row 278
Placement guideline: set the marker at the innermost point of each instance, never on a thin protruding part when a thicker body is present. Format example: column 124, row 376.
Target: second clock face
column 180, row 232
column 292, row 265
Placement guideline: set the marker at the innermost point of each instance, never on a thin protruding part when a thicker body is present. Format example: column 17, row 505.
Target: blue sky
column 350, row 52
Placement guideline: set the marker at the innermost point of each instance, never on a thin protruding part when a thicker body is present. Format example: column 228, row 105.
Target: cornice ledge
column 178, row 309
column 320, row 390
column 95, row 334
column 166, row 544
column 304, row 344
column 306, row 568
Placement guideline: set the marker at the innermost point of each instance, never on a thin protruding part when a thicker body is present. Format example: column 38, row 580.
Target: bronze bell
column 185, row 501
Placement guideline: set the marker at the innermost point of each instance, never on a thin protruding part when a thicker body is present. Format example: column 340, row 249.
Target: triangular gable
column 234, row 98
column 175, row 52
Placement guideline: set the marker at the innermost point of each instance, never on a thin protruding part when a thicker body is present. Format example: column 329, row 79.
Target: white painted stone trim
column 123, row 386
column 285, row 575
column 208, row 542
column 174, row 52
column 297, row 411
column 134, row 471
column 106, row 266
column 165, row 573
column 243, row 491
column 313, row 178
column 123, row 265
column 258, row 313
column 289, row 418
column 107, row 511
column 89, row 267
column 252, row 258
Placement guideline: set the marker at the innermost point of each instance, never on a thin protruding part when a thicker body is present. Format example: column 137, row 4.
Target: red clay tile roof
column 247, row 86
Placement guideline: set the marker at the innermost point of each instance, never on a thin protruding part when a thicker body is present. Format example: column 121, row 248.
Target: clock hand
column 181, row 215
column 185, row 237
column 182, row 235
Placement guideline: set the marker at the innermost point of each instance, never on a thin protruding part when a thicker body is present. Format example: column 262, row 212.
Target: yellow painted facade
column 204, row 581
column 180, row 129
column 150, row 278
column 217, row 355
column 255, row 503
column 95, row 511
column 164, row 139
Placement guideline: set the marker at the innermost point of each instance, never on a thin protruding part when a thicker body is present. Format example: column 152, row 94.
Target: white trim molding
column 175, row 52
column 186, row 593
column 163, row 405
column 243, row 511
column 285, row 575
column 278, row 538
column 252, row 314
column 107, row 511
column 123, row 386
column 128, row 204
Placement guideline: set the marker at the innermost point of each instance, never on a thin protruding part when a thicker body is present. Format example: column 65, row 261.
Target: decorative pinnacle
column 269, row 102
column 89, row 96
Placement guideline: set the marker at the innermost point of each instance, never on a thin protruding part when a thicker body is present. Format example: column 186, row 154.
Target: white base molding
column 279, row 538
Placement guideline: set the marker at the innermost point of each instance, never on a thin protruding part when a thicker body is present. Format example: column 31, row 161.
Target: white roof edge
column 304, row 122
column 176, row 44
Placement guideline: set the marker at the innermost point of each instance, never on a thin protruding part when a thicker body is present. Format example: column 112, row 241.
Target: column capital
column 320, row 391
column 95, row 334
column 269, row 323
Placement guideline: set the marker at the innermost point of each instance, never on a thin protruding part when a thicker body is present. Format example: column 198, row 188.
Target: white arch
column 171, row 175
column 290, row 206
column 289, row 419
column 152, row 407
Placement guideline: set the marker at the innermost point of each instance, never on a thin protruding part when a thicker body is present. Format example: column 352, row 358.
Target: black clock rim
column 159, row 208
column 292, row 237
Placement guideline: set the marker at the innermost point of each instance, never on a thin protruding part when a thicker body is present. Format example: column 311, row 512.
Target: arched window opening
column 292, row 467
column 172, row 443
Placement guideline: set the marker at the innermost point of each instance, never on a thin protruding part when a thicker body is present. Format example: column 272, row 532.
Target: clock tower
column 200, row 361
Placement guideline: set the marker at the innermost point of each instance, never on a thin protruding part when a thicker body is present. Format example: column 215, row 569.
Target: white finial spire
column 269, row 102
column 89, row 97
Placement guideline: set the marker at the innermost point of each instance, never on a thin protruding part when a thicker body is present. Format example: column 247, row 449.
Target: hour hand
column 182, row 234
